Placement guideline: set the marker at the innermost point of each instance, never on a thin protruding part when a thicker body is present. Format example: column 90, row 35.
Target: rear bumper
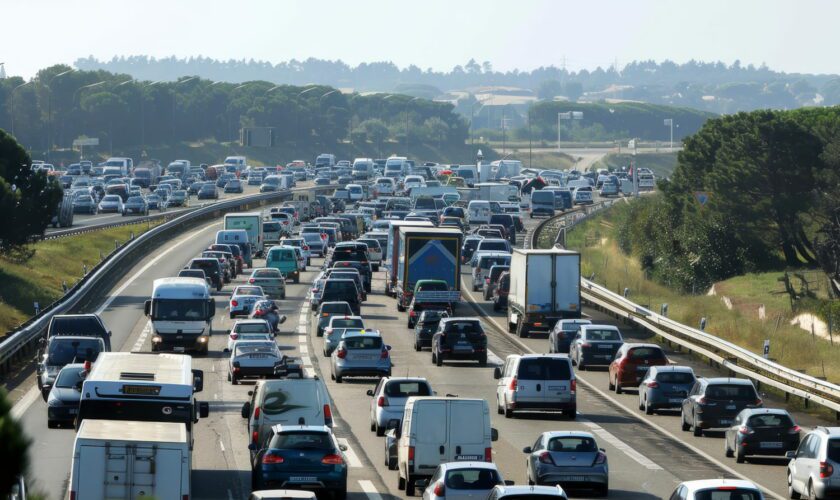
column 592, row 357
column 543, row 405
column 570, row 477
column 254, row 371
column 359, row 371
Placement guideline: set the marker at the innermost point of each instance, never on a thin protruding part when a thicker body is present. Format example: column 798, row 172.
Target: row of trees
column 751, row 192
column 61, row 104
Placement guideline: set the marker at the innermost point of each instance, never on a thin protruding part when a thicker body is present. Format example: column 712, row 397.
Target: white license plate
column 557, row 388
column 771, row 444
column 725, row 421
column 604, row 346
column 178, row 349
column 364, row 357
column 468, row 457
column 675, row 400
column 303, row 478
column 730, row 407
column 576, row 479
column 73, row 411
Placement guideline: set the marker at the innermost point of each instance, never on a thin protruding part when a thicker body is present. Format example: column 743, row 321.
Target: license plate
column 771, row 444
column 365, row 357
column 472, row 458
column 73, row 411
column 604, row 346
column 725, row 421
column 675, row 400
column 178, row 349
column 258, row 356
column 557, row 388
column 641, row 368
column 303, row 478
column 576, row 479
column 730, row 407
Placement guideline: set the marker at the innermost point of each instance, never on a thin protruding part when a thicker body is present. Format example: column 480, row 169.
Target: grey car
column 560, row 337
column 136, row 205
column 333, row 337
column 761, row 431
column 812, row 468
column 570, row 459
column 713, row 403
column 64, row 397
column 361, row 355
column 85, row 204
column 595, row 345
column 389, row 397
column 665, row 388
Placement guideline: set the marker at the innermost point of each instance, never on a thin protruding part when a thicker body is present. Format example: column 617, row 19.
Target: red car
column 631, row 364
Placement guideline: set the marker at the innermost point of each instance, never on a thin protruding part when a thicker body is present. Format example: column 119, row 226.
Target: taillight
column 745, row 431
column 234, row 303
column 72, row 495
column 271, row 458
column 653, row 384
column 440, row 490
column 794, row 429
column 255, row 436
column 383, row 354
column 758, row 402
column 234, row 336
column 342, row 353
column 573, row 386
column 332, row 459
column 702, row 400
column 328, row 415
column 512, row 385
column 600, row 458
column 252, row 280
column 488, row 454
column 586, row 344
column 257, row 412
column 412, row 313
column 545, row 458
column 487, row 280
column 382, row 402
column 411, row 454
column 306, row 248
column 826, row 470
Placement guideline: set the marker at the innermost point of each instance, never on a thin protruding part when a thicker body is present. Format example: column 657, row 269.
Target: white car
column 388, row 399
column 249, row 329
column 413, row 181
column 385, row 186
column 707, row 488
column 257, row 359
column 465, row 480
column 243, row 298
column 529, row 492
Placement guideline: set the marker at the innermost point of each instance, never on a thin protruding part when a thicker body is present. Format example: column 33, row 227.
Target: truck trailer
column 427, row 254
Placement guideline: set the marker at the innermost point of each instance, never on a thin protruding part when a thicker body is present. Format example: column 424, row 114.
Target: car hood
column 66, row 395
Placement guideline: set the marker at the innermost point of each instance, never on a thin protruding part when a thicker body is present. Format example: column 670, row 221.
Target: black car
column 761, row 431
column 468, row 249
column 329, row 309
column 208, row 191
column 459, row 338
column 362, row 267
column 212, row 269
column 713, row 403
column 501, row 292
column 79, row 325
column 342, row 290
column 509, row 222
column 63, row 399
column 426, row 326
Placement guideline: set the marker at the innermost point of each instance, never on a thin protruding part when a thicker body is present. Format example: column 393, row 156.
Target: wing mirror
column 198, row 380
column 203, row 409
column 508, row 482
column 497, row 373
column 369, row 392
column 282, row 318
column 246, row 409
column 527, row 449
column 147, row 307
column 790, row 454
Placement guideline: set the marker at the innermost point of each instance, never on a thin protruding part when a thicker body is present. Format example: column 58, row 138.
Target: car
column 491, row 280
column 61, row 350
column 631, row 364
column 286, row 221
column 304, row 457
column 155, row 202
column 536, row 382
column 426, row 326
column 706, row 489
column 270, row 280
column 568, row 459
column 65, row 394
column 468, row 248
column 316, row 243
column 85, row 204
column 212, row 269
column 465, row 480
column 334, row 336
column 562, row 335
column 713, row 403
column 249, row 329
column 811, row 470
column 501, row 292
column 483, row 261
column 272, row 232
column 111, row 203
column 258, row 359
column 597, row 345
column 268, row 310
column 338, row 321
column 665, row 388
column 322, row 181
column 255, row 178
column 285, row 259
column 342, row 290
column 326, row 311
column 374, row 252
column 363, row 268
column 178, row 198
column 389, row 397
column 243, row 299
column 359, row 355
column 761, row 431
column 282, row 494
column 208, row 191
column 459, row 338
column 304, row 249
column 223, row 179
column 229, row 265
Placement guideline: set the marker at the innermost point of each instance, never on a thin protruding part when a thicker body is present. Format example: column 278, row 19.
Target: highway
column 648, row 455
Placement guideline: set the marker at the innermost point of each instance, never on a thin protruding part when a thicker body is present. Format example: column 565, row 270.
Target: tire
column 696, row 430
column 581, row 366
column 409, row 487
column 610, row 384
column 232, row 315
column 439, row 360
column 417, row 346
column 400, row 307
column 683, row 424
column 283, row 296
column 495, row 306
column 52, row 424
column 256, row 482
column 400, row 483
column 297, row 279
column 812, row 494
column 482, row 360
column 380, row 431
column 339, row 494
column 571, row 413
column 234, row 380
column 739, row 456
column 726, row 450
column 604, row 491
column 508, row 412
column 795, row 495
column 522, row 331
column 376, row 268
column 618, row 389
column 499, row 409
column 339, row 379
column 648, row 408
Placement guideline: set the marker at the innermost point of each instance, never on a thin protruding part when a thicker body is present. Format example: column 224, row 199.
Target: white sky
column 793, row 35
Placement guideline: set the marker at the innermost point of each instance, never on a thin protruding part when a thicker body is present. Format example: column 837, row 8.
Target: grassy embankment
column 740, row 324
column 54, row 262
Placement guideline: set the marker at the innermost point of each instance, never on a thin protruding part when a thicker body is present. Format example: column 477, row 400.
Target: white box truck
column 251, row 222
column 119, row 459
column 544, row 287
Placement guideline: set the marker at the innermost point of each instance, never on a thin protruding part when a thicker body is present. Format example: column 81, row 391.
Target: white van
column 479, row 212
column 536, row 382
column 436, row 430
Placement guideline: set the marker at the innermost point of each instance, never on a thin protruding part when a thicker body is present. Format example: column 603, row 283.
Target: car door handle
column 539, row 387
column 457, row 450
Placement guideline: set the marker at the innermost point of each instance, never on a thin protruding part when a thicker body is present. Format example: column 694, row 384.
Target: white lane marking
column 25, row 402
column 352, row 458
column 657, row 427
column 307, row 361
column 303, row 349
column 222, row 445
column 142, row 338
column 301, row 329
column 310, row 373
column 302, row 339
column 148, row 266
column 230, row 495
column 302, row 320
column 621, row 445
column 369, row 490
column 493, row 359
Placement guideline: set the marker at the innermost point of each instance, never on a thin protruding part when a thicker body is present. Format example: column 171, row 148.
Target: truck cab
column 181, row 311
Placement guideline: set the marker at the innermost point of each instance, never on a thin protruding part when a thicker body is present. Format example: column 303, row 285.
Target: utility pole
column 669, row 122
column 632, row 145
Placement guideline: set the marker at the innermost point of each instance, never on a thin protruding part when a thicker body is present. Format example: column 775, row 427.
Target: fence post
column 703, row 323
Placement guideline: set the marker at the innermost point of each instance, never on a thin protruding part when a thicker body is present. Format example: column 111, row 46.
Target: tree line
column 61, row 104
column 752, row 192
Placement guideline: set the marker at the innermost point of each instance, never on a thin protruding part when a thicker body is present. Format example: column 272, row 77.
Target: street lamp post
column 297, row 114
column 143, row 114
column 12, row 102
column 175, row 103
column 49, row 109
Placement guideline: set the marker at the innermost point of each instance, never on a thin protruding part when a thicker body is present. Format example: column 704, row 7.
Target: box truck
column 427, row 254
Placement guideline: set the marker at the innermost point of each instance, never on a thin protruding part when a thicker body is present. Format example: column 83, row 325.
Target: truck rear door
column 129, row 472
column 567, row 279
column 431, row 436
column 466, row 431
column 539, row 289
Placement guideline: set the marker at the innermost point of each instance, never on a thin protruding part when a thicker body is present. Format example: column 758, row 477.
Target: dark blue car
column 305, row 457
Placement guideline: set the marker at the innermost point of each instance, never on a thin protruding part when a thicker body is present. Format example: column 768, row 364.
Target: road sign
column 669, row 122
column 702, row 197
column 767, row 349
column 87, row 141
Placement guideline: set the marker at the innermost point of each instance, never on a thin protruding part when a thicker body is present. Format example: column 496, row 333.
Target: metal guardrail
column 128, row 221
column 22, row 341
column 734, row 358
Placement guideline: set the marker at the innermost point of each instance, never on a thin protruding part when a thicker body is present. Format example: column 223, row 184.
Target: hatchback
column 561, row 336
column 631, row 364
column 713, row 403
column 426, row 325
column 389, row 397
column 761, row 431
column 462, row 480
column 360, row 355
column 665, row 388
column 569, row 459
column 812, row 466
column 270, row 280
column 243, row 298
column 713, row 489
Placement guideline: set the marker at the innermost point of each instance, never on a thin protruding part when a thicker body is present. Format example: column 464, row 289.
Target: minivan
column 483, row 264
column 436, row 430
column 238, row 237
column 285, row 259
column 542, row 203
column 541, row 382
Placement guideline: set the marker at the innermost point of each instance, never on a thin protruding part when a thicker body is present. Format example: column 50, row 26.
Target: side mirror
column 42, row 342
column 282, row 318
column 203, row 409
column 211, row 308
column 369, row 392
column 110, row 333
column 422, row 483
column 508, row 482
column 527, row 449
column 494, row 434
column 198, row 380
column 497, row 373
column 147, row 307
column 246, row 409
column 791, row 455
column 387, row 347
column 252, row 446
column 603, row 450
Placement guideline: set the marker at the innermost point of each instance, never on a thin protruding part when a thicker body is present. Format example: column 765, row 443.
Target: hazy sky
column 793, row 36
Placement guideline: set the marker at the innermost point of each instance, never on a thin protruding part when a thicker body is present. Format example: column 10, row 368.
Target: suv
column 212, row 269
column 713, row 403
column 536, row 382
column 631, row 364
column 812, row 465
column 329, row 309
column 362, row 267
column 459, row 338
column 342, row 290
column 426, row 326
column 491, row 280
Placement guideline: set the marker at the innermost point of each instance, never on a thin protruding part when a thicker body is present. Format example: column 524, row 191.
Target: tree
column 27, row 200
column 549, row 89
column 376, row 130
column 13, row 446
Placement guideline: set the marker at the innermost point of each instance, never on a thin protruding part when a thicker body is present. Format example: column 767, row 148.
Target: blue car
column 300, row 457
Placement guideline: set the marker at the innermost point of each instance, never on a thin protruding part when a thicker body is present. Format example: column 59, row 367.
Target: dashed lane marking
column 301, row 329
column 303, row 349
column 621, row 445
column 352, row 458
column 302, row 339
column 369, row 489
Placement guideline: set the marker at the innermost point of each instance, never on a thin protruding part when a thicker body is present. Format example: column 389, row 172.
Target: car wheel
column 648, row 408
column 409, row 487
column 604, row 490
column 508, row 412
column 571, row 413
column 727, row 451
column 683, row 423
column 696, row 430
column 641, row 405
column 482, row 360
column 439, row 360
column 499, row 409
column 610, row 384
column 581, row 366
column 618, row 389
column 740, row 456
column 228, row 377
column 339, row 494
column 283, row 296
column 792, row 493
column 376, row 268
column 338, row 379
column 417, row 346
column 234, row 380
column 400, row 307
column 52, row 424
column 812, row 493
column 380, row 431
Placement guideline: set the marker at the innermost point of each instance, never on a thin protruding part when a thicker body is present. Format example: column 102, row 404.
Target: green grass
column 790, row 345
column 54, row 262
column 662, row 164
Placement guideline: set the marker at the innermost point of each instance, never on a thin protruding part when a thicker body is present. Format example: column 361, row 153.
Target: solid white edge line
column 369, row 489
column 652, row 424
column 25, row 402
column 352, row 458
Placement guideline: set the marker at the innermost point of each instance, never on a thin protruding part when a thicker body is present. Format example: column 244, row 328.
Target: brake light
column 653, row 384
column 411, row 455
column 234, row 336
column 342, row 353
column 234, row 303
column 328, row 415
column 545, row 458
column 383, row 354
column 440, row 489
column 573, row 386
column 487, row 280
column 826, row 470
column 512, row 385
column 255, row 436
column 72, row 495
column 702, row 400
column 257, row 412
column 794, row 429
column 306, row 247
column 332, row 459
column 259, row 312
column 586, row 344
column 758, row 402
column 271, row 458
column 252, row 280
column 600, row 458
column 488, row 454
column 745, row 431
column 382, row 402
column 412, row 313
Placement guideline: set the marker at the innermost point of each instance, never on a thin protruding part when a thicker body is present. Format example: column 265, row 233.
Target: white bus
column 181, row 311
column 143, row 387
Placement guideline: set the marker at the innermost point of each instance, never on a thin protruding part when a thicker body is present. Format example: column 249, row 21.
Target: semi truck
column 119, row 459
column 390, row 256
column 427, row 254
column 250, row 222
column 544, row 287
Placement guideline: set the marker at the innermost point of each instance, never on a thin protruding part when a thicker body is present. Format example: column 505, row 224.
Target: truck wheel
column 482, row 360
column 400, row 307
column 522, row 331
column 401, row 483
column 495, row 306
column 409, row 487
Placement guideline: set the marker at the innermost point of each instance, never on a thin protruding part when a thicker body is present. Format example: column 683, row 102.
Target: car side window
column 538, row 444
column 814, row 446
column 379, row 386
column 437, row 475
column 509, row 368
column 802, row 452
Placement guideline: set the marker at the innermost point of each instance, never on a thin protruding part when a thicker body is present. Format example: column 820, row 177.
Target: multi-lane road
column 648, row 455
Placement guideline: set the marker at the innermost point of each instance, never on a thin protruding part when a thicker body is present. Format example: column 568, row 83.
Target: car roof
column 554, row 434
column 673, row 368
column 249, row 322
column 530, row 490
column 764, row 411
column 831, row 431
column 539, row 356
column 633, row 345
column 728, row 380
column 593, row 326
column 281, row 494
column 462, row 318
column 468, row 465
column 703, row 484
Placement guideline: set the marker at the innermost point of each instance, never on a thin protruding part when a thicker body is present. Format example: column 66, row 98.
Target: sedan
column 179, row 198
column 65, row 394
column 135, row 205
column 234, row 186
column 208, row 192
column 322, row 181
column 268, row 310
column 561, row 336
column 85, row 204
column 761, row 431
column 111, row 203
column 155, row 202
column 256, row 359
column 243, row 299
column 361, row 355
column 249, row 329
column 271, row 281
column 568, row 459
column 597, row 345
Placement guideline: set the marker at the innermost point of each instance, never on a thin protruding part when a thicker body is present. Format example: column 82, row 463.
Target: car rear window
column 641, row 353
column 544, row 369
column 472, row 479
column 675, row 377
column 493, row 245
column 572, row 444
column 463, row 327
column 363, row 343
column 267, row 273
column 728, row 494
column 769, row 420
column 487, row 263
column 434, row 287
column 730, row 391
column 606, row 334
column 251, row 292
column 254, row 349
column 833, row 450
column 406, row 389
column 543, row 197
column 301, row 441
column 347, row 323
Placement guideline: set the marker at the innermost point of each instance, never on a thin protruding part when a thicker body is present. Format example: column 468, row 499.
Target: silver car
column 255, row 359
column 361, row 355
column 569, row 459
column 388, row 399
column 333, row 337
column 243, row 298
column 315, row 242
column 271, row 281
column 814, row 465
column 462, row 481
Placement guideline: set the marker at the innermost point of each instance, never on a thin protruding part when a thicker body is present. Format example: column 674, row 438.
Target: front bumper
column 62, row 413
column 180, row 342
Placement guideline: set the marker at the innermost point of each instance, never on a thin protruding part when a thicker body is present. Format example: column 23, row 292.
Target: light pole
column 669, row 122
column 175, row 103
column 240, row 86
column 143, row 114
column 49, row 109
column 12, row 102
column 297, row 113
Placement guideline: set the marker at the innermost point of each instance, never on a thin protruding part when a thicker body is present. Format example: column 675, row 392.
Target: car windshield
column 69, row 377
column 572, row 444
column 472, row 479
column 262, row 348
column 675, row 377
column 363, row 343
column 404, row 389
column 301, row 441
column 67, row 351
column 179, row 310
column 606, row 334
column 728, row 494
column 730, row 392
column 261, row 327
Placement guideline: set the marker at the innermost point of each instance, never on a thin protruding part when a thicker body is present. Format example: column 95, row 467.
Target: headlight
column 156, row 338
column 202, row 339
column 54, row 402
